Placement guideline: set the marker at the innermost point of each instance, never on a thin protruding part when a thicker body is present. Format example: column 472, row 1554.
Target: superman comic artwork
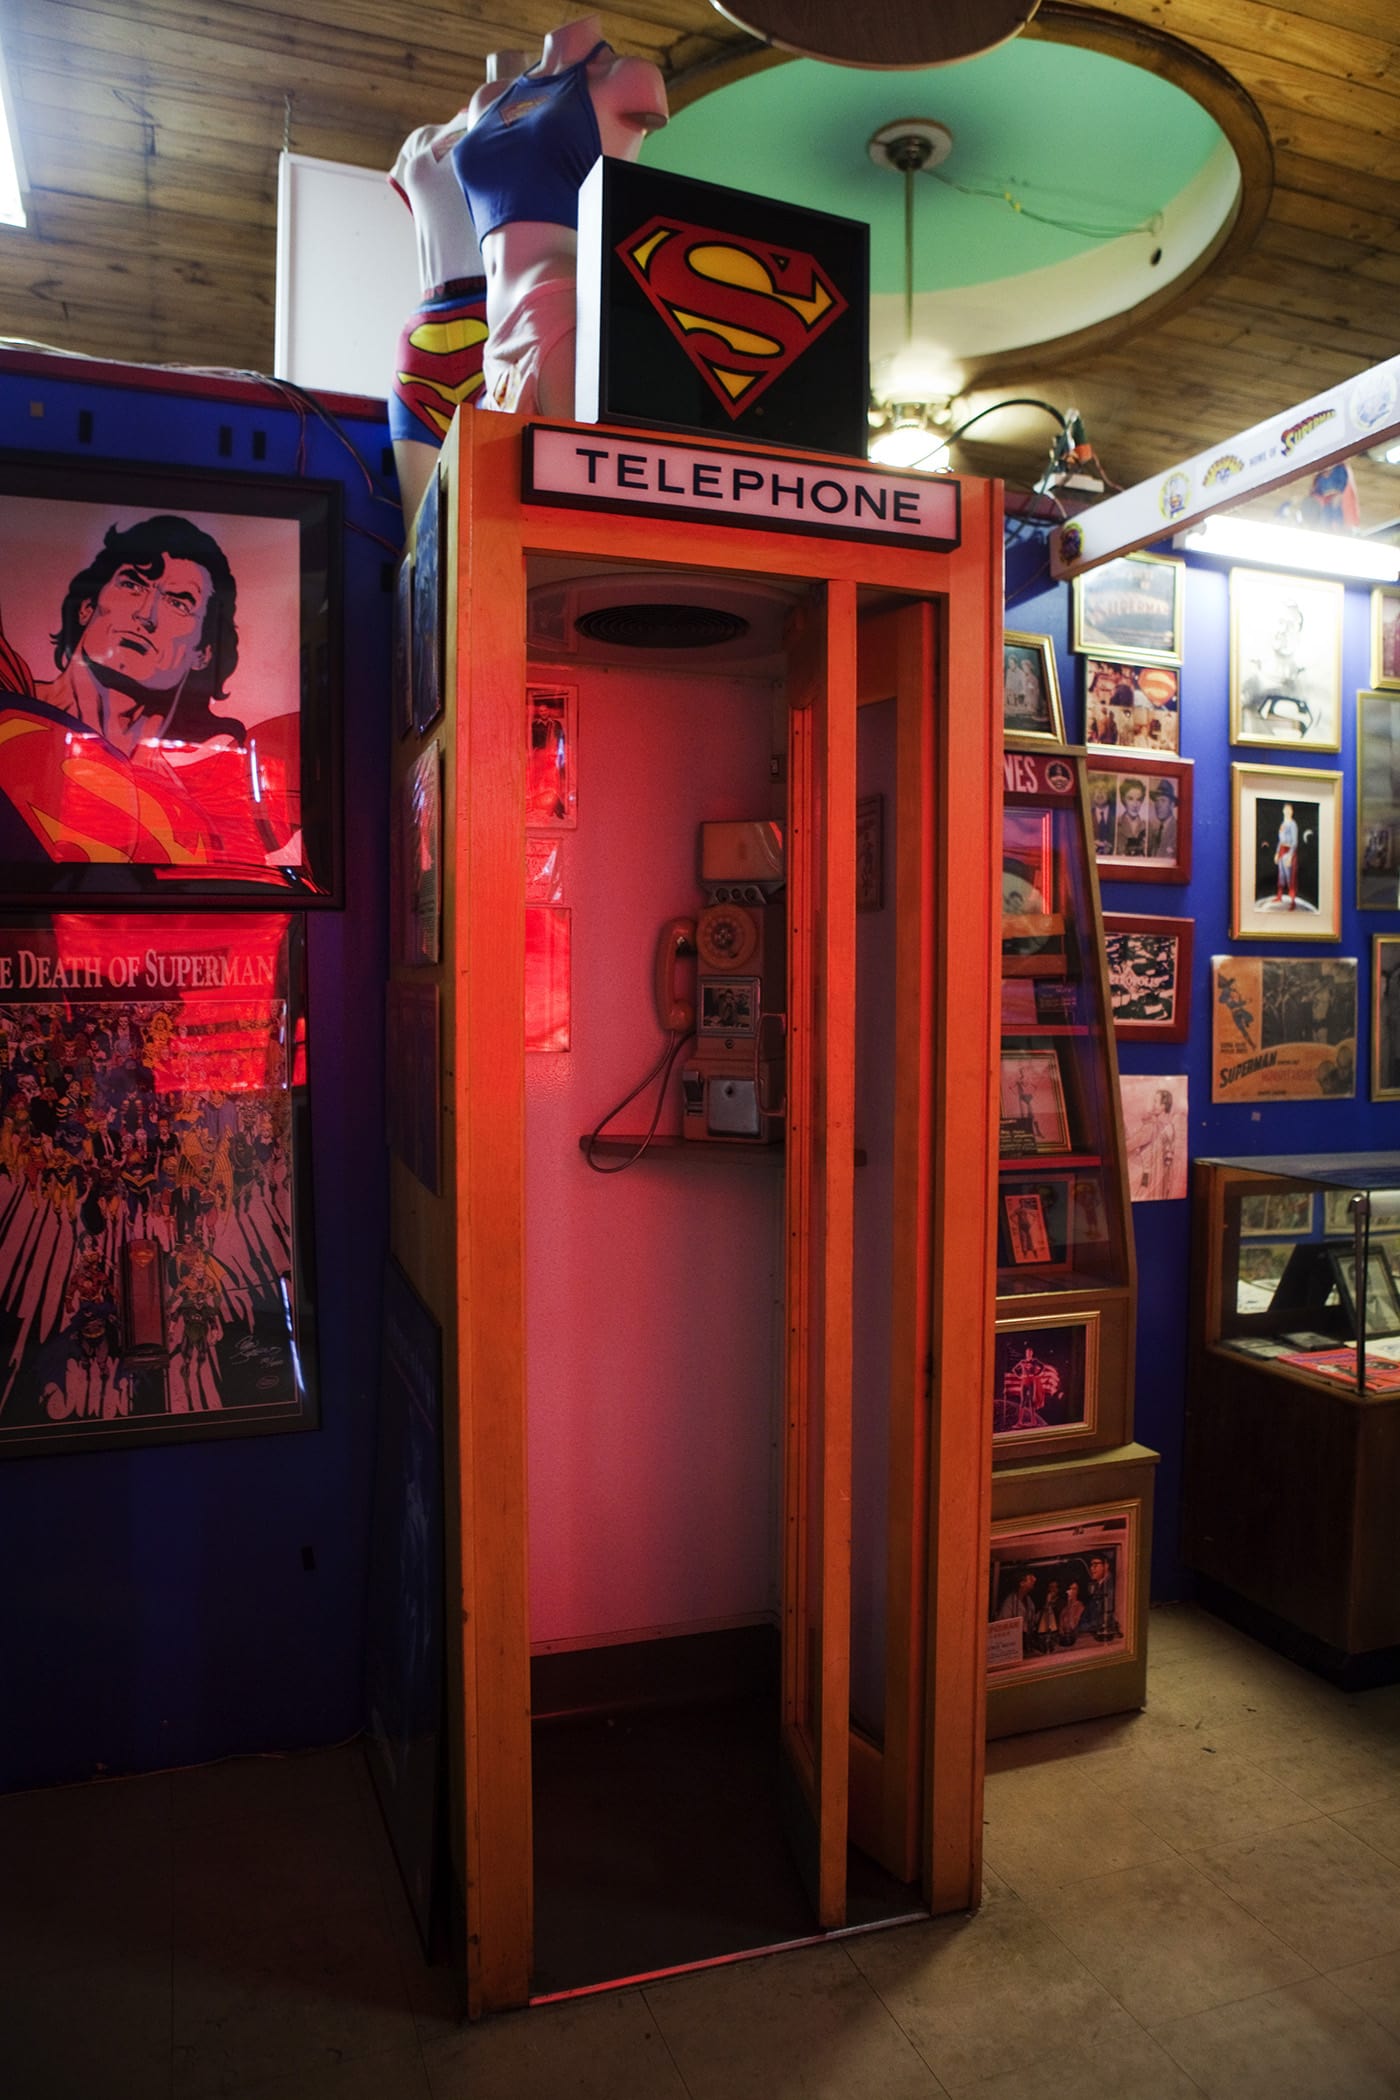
column 165, row 687
column 152, row 1134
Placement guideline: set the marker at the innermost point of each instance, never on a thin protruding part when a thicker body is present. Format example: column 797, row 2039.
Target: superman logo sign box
column 706, row 309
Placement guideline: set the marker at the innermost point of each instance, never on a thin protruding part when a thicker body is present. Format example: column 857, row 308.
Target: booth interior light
column 1293, row 547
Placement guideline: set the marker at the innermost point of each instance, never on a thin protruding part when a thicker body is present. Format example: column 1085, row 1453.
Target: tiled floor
column 1201, row 1899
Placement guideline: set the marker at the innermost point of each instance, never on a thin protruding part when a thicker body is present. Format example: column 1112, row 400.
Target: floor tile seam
column 1092, row 1973
column 644, row 1993
column 1193, row 1852
column 1335, row 1817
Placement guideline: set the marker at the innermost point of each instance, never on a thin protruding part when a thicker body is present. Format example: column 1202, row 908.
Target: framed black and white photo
column 1030, row 689
column 1385, row 637
column 1139, row 815
column 1385, row 1017
column 1149, row 976
column 1131, row 609
column 169, row 686
column 1378, row 800
column 1285, row 660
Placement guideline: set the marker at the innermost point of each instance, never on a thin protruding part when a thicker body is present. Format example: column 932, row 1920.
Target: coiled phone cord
column 676, row 1041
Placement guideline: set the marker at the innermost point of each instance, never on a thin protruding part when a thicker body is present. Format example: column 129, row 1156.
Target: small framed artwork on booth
column 551, row 758
column 1149, row 976
column 1061, row 1593
column 1285, row 660
column 1140, row 815
column 1385, row 637
column 1045, row 1382
column 155, row 1273
column 1378, row 800
column 1131, row 609
column 1288, row 854
column 1385, row 1017
column 1033, row 1113
column 169, row 685
column 1037, row 1221
column 1134, row 706
column 1031, row 689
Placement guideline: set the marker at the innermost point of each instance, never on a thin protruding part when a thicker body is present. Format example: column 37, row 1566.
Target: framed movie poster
column 1139, row 815
column 1130, row 609
column 1030, row 687
column 1045, row 1380
column 1385, row 637
column 154, row 1211
column 1378, row 800
column 1285, row 660
column 169, row 685
column 1288, row 854
column 1061, row 1591
column 1283, row 1028
column 1385, row 1017
column 1149, row 976
column 1134, row 706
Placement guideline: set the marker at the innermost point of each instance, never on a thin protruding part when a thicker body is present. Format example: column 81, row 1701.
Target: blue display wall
column 168, row 1605
column 1037, row 606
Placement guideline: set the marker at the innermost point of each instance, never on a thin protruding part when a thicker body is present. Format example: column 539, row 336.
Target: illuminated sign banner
column 596, row 470
column 706, row 309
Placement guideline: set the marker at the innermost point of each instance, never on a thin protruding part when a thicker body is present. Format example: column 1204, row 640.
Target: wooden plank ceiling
column 151, row 130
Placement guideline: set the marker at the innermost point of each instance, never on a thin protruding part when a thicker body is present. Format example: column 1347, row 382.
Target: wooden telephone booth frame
column 918, row 1797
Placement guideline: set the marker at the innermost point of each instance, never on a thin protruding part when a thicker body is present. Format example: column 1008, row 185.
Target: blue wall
column 1036, row 606
column 156, row 1605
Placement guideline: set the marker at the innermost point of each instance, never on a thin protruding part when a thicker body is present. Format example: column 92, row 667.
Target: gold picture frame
column 1030, row 690
column 1062, row 1379
column 1385, row 1017
column 1285, row 660
column 1131, row 609
column 1286, row 883
column 1385, row 637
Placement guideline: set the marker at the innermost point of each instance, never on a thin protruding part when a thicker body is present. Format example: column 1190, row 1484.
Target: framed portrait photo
column 1130, row 609
column 1385, row 1017
column 1045, row 1380
column 1287, row 854
column 1031, row 689
column 155, row 1274
column 1034, row 1118
column 1149, row 976
column 1285, row 660
column 1385, row 637
column 1378, row 800
column 1133, row 706
column 1139, row 815
column 1062, row 1591
column 169, row 686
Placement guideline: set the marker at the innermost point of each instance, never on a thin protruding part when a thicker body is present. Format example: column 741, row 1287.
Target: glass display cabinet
column 1293, row 1416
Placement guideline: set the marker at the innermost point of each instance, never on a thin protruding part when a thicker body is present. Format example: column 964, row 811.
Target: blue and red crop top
column 526, row 155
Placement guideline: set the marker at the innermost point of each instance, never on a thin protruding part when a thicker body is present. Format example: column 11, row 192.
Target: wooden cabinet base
column 1067, row 1590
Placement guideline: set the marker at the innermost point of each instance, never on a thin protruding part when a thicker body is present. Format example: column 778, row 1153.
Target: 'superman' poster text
column 152, row 1276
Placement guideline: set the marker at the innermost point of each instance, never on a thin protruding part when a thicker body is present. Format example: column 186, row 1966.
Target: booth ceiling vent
column 661, row 626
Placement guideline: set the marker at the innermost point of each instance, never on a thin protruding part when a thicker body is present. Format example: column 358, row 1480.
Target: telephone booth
column 720, row 805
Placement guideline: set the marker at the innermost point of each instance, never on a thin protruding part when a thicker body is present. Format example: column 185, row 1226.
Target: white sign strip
column 620, row 473
column 1360, row 412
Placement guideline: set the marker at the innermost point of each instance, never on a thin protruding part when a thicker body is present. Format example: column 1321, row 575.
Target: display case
column 1067, row 1587
column 1063, row 1379
column 1293, row 1414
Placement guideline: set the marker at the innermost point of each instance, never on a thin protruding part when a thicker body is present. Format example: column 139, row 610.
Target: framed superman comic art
column 169, row 685
column 155, row 1260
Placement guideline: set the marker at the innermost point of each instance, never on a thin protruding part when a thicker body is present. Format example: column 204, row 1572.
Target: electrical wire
column 676, row 1040
column 1002, row 193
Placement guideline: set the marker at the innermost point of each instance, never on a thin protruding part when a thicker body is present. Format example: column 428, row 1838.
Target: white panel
column 347, row 275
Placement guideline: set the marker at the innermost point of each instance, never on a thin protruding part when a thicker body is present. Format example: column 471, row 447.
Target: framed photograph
column 551, row 770
column 1385, row 637
column 1259, row 1273
column 1139, row 816
column 155, row 1268
column 1132, row 706
column 1131, row 609
column 1037, row 1221
column 1336, row 1212
column 870, row 852
column 1033, row 1114
column 421, row 833
column 169, row 685
column 1149, row 976
column 1030, row 689
column 1285, row 660
column 1382, row 1307
column 1061, row 1593
column 1283, row 1028
column 413, row 1070
column 1288, row 854
column 401, row 649
column 1045, row 1379
column 1378, row 800
column 1385, row 1017
column 1155, row 1135
column 1275, row 1213
column 427, row 609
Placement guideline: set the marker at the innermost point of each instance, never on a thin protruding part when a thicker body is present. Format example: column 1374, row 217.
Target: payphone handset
column 733, row 1083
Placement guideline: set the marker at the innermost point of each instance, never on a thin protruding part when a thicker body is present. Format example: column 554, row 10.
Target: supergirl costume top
column 437, row 364
column 527, row 153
